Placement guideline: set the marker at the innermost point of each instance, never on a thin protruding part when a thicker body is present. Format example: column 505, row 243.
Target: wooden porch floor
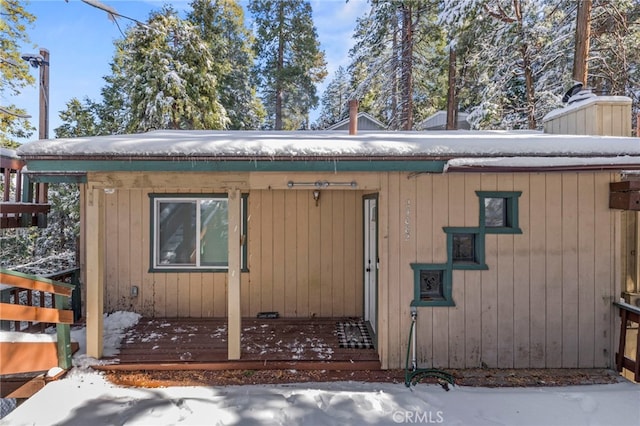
column 201, row 343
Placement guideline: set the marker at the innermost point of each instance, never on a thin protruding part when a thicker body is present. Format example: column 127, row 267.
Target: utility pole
column 43, row 127
column 41, row 61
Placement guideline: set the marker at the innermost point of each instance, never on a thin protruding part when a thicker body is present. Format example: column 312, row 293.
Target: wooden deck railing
column 23, row 204
column 628, row 313
column 61, row 315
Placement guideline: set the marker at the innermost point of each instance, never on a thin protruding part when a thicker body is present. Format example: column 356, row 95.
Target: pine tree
column 14, row 72
column 397, row 61
column 79, row 119
column 517, row 57
column 289, row 60
column 221, row 26
column 334, row 102
column 166, row 74
column 614, row 54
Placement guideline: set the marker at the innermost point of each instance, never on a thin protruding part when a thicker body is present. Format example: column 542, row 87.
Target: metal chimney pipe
column 353, row 117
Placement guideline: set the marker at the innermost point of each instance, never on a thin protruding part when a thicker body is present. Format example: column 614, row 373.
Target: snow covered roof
column 8, row 153
column 463, row 146
column 585, row 103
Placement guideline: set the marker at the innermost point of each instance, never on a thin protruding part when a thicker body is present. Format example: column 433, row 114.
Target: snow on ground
column 84, row 397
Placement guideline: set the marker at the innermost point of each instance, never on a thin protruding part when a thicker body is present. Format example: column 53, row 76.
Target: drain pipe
column 414, row 341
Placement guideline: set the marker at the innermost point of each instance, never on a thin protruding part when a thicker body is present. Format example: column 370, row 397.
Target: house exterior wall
column 545, row 300
column 303, row 260
column 630, row 228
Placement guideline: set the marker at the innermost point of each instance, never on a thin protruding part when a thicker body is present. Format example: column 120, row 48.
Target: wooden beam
column 11, row 312
column 16, row 279
column 94, row 245
column 245, row 365
column 233, row 277
column 26, row 357
column 18, row 208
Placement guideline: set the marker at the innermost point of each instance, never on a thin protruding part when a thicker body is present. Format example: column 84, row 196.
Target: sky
column 80, row 39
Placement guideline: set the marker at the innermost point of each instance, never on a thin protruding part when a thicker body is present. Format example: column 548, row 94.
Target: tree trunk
column 394, row 121
column 279, row 66
column 407, row 68
column 530, row 103
column 452, row 101
column 583, row 33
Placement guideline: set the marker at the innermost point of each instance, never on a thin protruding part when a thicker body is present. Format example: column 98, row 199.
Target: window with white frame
column 191, row 232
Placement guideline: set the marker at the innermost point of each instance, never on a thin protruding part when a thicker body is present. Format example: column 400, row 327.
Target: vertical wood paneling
column 506, row 288
column 181, row 288
column 570, row 270
column 195, row 295
column 441, row 217
column 303, row 201
column 314, row 278
column 424, row 235
column 407, row 253
column 352, row 252
column 393, row 301
column 604, row 272
column 535, row 230
column 384, row 289
column 137, row 250
column 112, row 260
column 456, row 334
column 219, row 294
column 545, row 300
column 337, row 233
column 254, row 223
column 266, row 240
column 326, row 256
column 472, row 283
column 280, row 262
column 553, row 270
column 586, row 272
column 123, row 274
column 489, row 295
column 290, row 266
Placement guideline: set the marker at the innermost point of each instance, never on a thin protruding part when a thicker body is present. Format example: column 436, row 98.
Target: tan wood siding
column 545, row 300
column 304, row 260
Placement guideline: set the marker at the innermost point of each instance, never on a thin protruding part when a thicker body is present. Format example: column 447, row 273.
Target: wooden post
column 234, row 318
column 64, row 335
column 94, row 244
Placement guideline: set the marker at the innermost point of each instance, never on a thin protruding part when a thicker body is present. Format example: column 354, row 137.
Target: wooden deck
column 201, row 343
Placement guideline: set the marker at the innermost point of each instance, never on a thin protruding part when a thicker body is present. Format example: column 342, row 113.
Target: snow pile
column 84, row 397
column 90, row 399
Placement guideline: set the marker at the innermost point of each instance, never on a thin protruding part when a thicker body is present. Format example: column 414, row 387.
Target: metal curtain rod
column 322, row 184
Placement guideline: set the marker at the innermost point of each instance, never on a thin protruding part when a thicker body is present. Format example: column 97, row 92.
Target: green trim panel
column 479, row 248
column 446, row 283
column 174, row 165
column 512, row 211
